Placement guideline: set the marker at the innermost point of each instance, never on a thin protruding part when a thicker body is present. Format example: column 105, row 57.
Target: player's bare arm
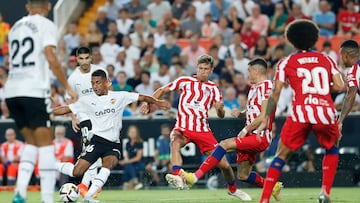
column 256, row 123
column 56, row 69
column 347, row 105
column 220, row 111
column 145, row 108
column 61, row 110
column 338, row 83
column 271, row 104
column 163, row 104
column 238, row 114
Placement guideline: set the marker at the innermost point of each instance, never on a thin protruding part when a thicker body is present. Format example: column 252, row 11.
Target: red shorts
column 204, row 140
column 249, row 147
column 294, row 134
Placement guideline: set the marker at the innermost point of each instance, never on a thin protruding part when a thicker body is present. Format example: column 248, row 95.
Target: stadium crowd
column 144, row 46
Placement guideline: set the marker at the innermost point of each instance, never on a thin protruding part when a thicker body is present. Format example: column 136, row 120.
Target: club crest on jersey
column 112, row 101
column 207, row 91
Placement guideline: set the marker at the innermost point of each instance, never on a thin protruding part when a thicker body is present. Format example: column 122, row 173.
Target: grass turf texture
column 290, row 195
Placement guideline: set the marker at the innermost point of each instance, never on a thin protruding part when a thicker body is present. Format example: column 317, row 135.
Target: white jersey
column 105, row 112
column 29, row 74
column 81, row 84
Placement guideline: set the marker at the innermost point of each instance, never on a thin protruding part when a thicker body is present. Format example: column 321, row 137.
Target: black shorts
column 30, row 112
column 99, row 148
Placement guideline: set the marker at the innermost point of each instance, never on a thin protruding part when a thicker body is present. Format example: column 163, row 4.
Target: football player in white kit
column 80, row 81
column 32, row 42
column 105, row 110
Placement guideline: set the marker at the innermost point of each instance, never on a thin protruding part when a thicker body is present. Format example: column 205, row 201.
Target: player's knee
column 224, row 145
column 78, row 171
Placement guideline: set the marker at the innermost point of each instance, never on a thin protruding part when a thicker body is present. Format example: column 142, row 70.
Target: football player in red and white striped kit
column 350, row 57
column 197, row 96
column 312, row 76
column 247, row 144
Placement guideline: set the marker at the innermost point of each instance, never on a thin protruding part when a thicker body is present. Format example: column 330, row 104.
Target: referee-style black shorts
column 30, row 112
column 99, row 148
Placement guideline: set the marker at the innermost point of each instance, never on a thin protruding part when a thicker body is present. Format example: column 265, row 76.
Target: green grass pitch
column 290, row 195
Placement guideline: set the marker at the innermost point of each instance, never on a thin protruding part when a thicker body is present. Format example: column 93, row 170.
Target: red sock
column 329, row 166
column 259, row 181
column 272, row 177
column 176, row 170
column 232, row 186
column 210, row 163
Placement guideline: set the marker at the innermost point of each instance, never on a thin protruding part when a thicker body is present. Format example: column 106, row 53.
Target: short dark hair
column 258, row 61
column 99, row 73
column 83, row 50
column 207, row 59
column 303, row 34
column 351, row 47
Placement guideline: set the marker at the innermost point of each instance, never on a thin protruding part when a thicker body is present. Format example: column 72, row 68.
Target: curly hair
column 303, row 34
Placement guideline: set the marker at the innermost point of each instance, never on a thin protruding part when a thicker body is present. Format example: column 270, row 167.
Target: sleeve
column 334, row 69
column 174, row 85
column 280, row 70
column 128, row 97
column 217, row 94
column 50, row 34
column 266, row 90
column 351, row 77
column 78, row 107
column 140, row 145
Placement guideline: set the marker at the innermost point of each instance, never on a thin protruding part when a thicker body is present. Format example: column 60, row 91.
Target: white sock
column 47, row 172
column 66, row 168
column 98, row 182
column 26, row 168
column 90, row 174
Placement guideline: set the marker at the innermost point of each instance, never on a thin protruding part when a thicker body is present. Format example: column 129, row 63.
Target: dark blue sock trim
column 231, row 183
column 219, row 152
column 332, row 150
column 277, row 163
column 251, row 178
column 175, row 167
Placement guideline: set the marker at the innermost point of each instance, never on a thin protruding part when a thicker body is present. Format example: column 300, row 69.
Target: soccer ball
column 69, row 192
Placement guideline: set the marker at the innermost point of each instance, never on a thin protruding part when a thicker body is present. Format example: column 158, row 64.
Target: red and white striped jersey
column 257, row 94
column 353, row 76
column 309, row 74
column 196, row 99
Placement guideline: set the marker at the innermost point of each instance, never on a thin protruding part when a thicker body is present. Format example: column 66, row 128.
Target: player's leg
column 110, row 153
column 293, row 135
column 327, row 136
column 245, row 174
column 47, row 160
column 177, row 142
column 18, row 111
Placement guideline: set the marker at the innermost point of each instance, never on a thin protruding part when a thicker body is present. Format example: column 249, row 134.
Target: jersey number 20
column 319, row 79
column 27, row 42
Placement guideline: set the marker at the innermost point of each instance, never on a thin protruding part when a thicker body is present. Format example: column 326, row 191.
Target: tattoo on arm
column 270, row 106
column 348, row 104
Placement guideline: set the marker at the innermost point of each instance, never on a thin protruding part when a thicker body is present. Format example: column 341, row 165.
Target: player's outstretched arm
column 347, row 104
column 58, row 72
column 162, row 104
column 256, row 123
column 61, row 110
column 220, row 111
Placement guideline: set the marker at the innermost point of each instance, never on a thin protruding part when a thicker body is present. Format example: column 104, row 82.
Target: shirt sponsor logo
column 104, row 112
